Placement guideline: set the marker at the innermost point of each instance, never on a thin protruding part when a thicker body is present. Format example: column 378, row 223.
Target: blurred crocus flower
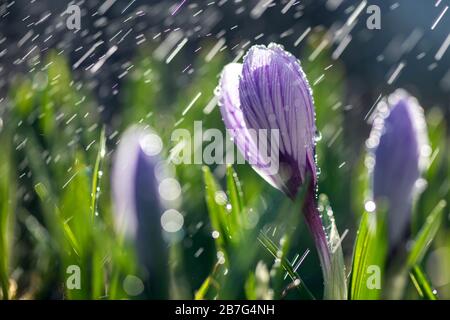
column 399, row 145
column 270, row 91
column 140, row 190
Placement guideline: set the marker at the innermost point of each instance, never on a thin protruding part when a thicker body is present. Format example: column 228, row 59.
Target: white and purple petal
column 270, row 91
column 233, row 118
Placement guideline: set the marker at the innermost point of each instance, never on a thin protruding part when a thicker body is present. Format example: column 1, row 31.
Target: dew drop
column 425, row 151
column 220, row 197
column 420, row 185
column 370, row 206
column 317, row 136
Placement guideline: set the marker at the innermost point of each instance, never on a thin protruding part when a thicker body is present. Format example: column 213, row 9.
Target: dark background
column 366, row 75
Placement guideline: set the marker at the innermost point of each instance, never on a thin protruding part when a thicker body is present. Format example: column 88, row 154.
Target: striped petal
column 275, row 94
column 233, row 118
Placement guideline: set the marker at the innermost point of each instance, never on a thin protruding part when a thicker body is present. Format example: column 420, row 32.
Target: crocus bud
column 269, row 91
column 138, row 207
column 399, row 145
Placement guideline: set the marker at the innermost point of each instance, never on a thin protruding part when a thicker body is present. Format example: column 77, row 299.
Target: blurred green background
column 56, row 203
column 55, row 193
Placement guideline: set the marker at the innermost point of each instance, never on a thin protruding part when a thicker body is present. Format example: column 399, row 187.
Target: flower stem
column 315, row 226
column 333, row 270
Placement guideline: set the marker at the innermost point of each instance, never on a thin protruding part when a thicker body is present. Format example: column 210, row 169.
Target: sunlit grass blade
column 422, row 283
column 426, row 234
column 201, row 293
column 419, row 248
column 287, row 266
column 7, row 201
column 97, row 258
column 75, row 208
column 216, row 210
column 236, row 199
column 368, row 256
column 207, row 284
column 337, row 282
column 287, row 226
column 59, row 229
column 97, row 173
column 45, row 191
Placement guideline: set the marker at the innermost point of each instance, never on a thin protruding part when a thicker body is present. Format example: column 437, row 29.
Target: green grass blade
column 426, row 234
column 209, row 282
column 96, row 175
column 7, row 199
column 272, row 248
column 336, row 284
column 201, row 293
column 235, row 195
column 422, row 283
column 71, row 238
column 369, row 251
column 217, row 212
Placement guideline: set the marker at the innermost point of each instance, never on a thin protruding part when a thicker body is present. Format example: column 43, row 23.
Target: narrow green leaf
column 426, row 234
column 422, row 283
column 57, row 227
column 7, row 199
column 336, row 282
column 285, row 263
column 96, row 175
column 216, row 211
column 250, row 287
column 201, row 293
column 368, row 256
column 71, row 238
column 236, row 199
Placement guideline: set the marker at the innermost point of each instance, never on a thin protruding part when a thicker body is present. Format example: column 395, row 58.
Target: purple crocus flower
column 138, row 207
column 399, row 145
column 270, row 91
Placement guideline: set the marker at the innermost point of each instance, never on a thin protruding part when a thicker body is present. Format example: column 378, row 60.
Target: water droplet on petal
column 317, row 136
